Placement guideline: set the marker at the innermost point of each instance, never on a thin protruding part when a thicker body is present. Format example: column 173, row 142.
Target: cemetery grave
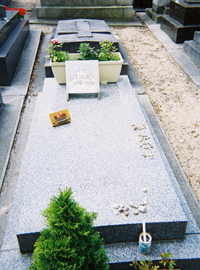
column 121, row 168
column 183, row 20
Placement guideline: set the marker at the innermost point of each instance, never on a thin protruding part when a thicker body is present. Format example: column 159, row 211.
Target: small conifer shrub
column 69, row 241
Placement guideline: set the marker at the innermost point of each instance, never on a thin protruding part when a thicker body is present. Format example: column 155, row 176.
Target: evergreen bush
column 69, row 241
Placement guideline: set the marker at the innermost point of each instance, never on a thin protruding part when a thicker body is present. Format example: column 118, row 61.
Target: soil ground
column 175, row 99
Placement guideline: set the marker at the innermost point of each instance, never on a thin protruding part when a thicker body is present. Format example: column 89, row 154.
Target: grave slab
column 99, row 155
column 72, row 32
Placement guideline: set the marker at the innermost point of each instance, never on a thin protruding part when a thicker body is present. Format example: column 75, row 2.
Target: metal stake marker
column 144, row 232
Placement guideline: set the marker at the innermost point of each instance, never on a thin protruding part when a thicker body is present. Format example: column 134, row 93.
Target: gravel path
column 176, row 100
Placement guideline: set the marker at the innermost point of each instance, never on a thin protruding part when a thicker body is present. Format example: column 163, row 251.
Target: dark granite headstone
column 183, row 20
column 2, row 12
column 13, row 34
column 72, row 32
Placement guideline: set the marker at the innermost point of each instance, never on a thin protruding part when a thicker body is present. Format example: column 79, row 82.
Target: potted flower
column 110, row 61
column 57, row 60
column 165, row 263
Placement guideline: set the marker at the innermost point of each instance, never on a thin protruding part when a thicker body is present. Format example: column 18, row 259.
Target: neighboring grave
column 13, row 34
column 112, row 10
column 192, row 48
column 183, row 20
column 159, row 8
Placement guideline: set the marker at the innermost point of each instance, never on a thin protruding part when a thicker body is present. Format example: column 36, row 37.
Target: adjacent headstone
column 159, row 8
column 111, row 10
column 192, row 49
column 13, row 34
column 82, row 77
column 183, row 20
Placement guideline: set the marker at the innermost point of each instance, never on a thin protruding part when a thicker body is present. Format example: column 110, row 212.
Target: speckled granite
column 99, row 155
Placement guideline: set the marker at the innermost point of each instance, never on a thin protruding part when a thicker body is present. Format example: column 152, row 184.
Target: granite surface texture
column 99, row 156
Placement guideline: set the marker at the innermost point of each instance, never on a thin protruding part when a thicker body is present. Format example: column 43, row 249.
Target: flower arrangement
column 55, row 53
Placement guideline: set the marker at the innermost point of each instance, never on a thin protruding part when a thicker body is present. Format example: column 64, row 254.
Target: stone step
column 82, row 3
column 193, row 51
column 109, row 13
column 100, row 156
column 186, row 253
column 11, row 50
column 197, row 38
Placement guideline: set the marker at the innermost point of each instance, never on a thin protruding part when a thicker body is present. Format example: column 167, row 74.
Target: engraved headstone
column 82, row 77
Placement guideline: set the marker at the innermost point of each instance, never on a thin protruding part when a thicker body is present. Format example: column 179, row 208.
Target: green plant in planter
column 166, row 261
column 69, row 241
column 87, row 52
column 55, row 53
column 106, row 51
column 144, row 265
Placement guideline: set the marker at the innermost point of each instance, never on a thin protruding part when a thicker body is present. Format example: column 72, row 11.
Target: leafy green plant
column 106, row 51
column 55, row 53
column 166, row 261
column 144, row 265
column 69, row 240
column 87, row 52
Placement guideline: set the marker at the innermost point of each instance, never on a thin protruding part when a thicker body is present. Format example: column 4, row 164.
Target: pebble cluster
column 144, row 143
column 120, row 208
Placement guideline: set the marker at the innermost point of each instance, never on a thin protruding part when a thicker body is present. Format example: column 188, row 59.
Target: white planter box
column 109, row 71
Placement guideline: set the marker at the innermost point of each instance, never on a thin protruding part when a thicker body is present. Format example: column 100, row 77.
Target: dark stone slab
column 11, row 50
column 4, row 2
column 8, row 25
column 27, row 241
column 185, row 13
column 2, row 12
column 176, row 31
column 72, row 32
